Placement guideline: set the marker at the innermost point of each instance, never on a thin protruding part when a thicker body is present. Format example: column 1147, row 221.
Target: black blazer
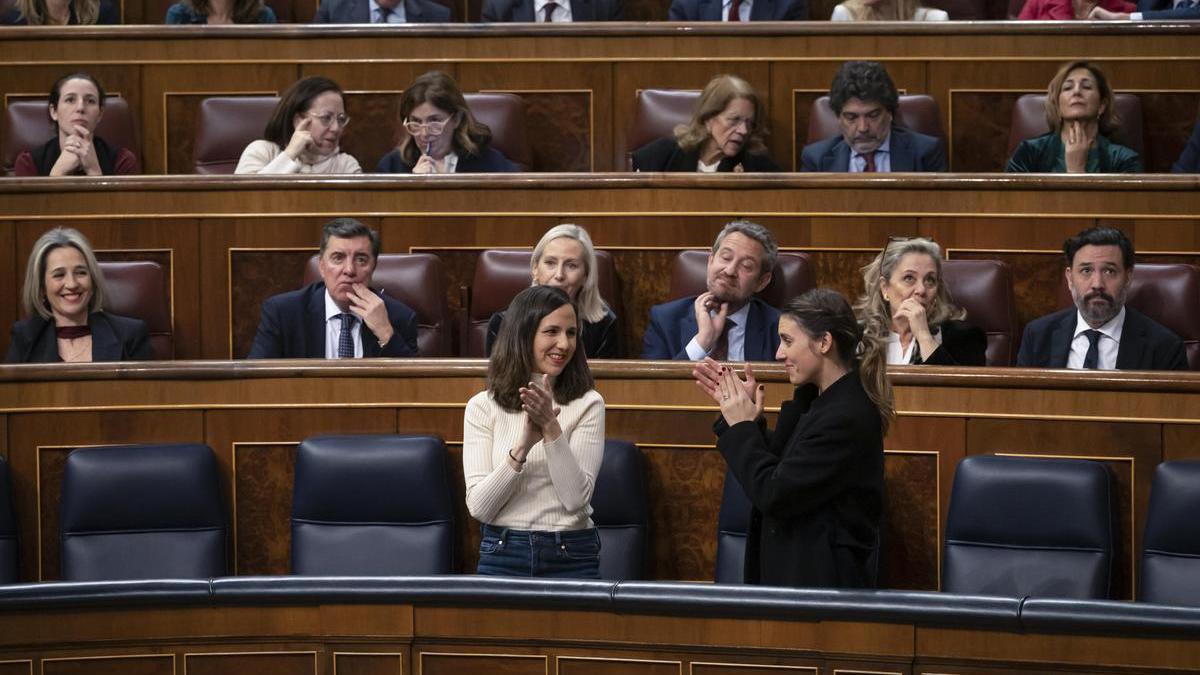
column 816, row 485
column 359, row 11
column 910, row 150
column 114, row 338
column 761, row 10
column 963, row 344
column 293, row 327
column 1189, row 159
column 600, row 339
column 489, row 160
column 665, row 154
column 1145, row 343
column 1164, row 10
column 496, row 11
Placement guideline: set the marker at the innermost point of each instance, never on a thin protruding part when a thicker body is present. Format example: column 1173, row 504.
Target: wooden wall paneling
column 265, row 662
column 16, row 667
column 1181, row 442
column 628, row 78
column 172, row 96
column 449, row 663
column 716, row 668
column 38, row 445
column 594, row 665
column 1167, row 120
column 354, row 661
column 1029, row 229
column 1129, row 450
column 256, row 451
column 12, row 282
column 129, row 664
column 1153, row 237
column 569, row 124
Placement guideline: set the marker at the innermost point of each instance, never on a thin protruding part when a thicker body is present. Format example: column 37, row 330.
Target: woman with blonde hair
column 906, row 305
column 61, row 13
column 727, row 132
column 64, row 298
column 565, row 258
column 886, row 10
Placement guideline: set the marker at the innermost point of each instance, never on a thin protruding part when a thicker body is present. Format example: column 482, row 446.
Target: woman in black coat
column 906, row 303
column 64, row 296
column 726, row 133
column 816, row 482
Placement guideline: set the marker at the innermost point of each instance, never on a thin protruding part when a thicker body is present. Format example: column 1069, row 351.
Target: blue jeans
column 573, row 554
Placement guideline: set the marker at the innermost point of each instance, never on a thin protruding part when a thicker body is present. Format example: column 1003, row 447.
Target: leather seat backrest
column 27, row 125
column 225, row 126
column 733, row 526
column 139, row 289
column 916, row 112
column 656, row 114
column 793, row 275
column 1038, row 527
column 417, row 280
column 1029, row 121
column 984, row 289
column 8, row 529
column 1171, row 541
column 372, row 506
column 142, row 512
column 620, row 512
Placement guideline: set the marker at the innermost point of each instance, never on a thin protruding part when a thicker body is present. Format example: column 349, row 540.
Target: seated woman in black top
column 906, row 305
column 566, row 259
column 725, row 134
column 75, row 107
column 816, row 482
column 60, row 13
column 214, row 12
column 443, row 136
column 64, row 298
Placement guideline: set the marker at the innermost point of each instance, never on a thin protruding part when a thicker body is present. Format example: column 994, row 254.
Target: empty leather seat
column 793, row 275
column 417, row 280
column 27, row 126
column 656, row 114
column 1029, row 527
column 984, row 289
column 139, row 289
column 372, row 506
column 505, row 116
column 1171, row 542
column 733, row 526
column 225, row 125
column 620, row 513
column 1029, row 121
column 916, row 112
column 142, row 512
column 8, row 529
column 1169, row 293
column 502, row 273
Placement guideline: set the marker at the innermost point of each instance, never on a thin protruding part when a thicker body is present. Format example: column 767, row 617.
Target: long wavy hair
column 821, row 311
column 36, row 13
column 589, row 303
column 890, row 10
column 875, row 314
column 1108, row 120
column 441, row 91
column 33, row 295
column 512, row 361
column 717, row 94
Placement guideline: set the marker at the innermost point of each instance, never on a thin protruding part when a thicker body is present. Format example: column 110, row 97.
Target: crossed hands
column 77, row 153
column 740, row 400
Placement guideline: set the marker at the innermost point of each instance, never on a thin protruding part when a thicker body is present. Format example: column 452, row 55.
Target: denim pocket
column 490, row 545
column 582, row 546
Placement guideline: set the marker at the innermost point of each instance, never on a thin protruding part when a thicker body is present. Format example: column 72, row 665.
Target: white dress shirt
column 397, row 15
column 333, row 329
column 737, row 338
column 1109, row 343
column 743, row 9
column 883, row 158
column 561, row 15
column 902, row 356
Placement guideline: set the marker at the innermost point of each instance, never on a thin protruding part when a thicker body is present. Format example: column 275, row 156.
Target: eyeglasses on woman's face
column 432, row 126
column 327, row 119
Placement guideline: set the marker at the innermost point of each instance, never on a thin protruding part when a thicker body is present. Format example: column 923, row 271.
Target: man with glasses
column 865, row 101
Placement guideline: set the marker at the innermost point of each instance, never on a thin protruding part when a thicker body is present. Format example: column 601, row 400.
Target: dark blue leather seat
column 1030, row 527
column 1171, row 542
column 372, row 506
column 620, row 513
column 733, row 524
column 8, row 529
column 142, row 512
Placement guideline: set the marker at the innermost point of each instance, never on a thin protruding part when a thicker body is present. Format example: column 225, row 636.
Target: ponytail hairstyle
column 821, row 311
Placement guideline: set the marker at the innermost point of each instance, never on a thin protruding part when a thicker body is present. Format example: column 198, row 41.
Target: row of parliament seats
column 383, row 506
column 227, row 124
column 362, row 506
column 983, row 287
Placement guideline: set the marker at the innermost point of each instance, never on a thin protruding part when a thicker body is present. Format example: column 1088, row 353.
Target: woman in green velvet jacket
column 1080, row 112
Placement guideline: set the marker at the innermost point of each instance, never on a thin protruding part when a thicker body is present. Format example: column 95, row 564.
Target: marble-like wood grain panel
column 1167, row 121
column 979, row 124
column 359, row 663
column 374, row 120
column 568, row 665
column 684, row 488
column 560, row 130
column 264, row 663
column 910, row 523
column 432, row 663
column 263, row 481
column 256, row 276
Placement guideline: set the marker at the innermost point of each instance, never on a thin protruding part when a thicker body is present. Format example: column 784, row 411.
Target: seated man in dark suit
column 1152, row 10
column 865, row 100
column 339, row 316
column 738, row 10
column 1100, row 331
column 727, row 322
column 381, row 11
column 551, row 11
column 1189, row 159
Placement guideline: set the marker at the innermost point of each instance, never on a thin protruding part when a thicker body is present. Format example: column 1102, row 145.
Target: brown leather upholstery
column 1169, row 293
column 505, row 116
column 984, row 289
column 502, row 273
column 917, row 113
column 27, row 125
column 226, row 125
column 417, row 280
column 793, row 275
column 657, row 113
column 139, row 289
column 1029, row 120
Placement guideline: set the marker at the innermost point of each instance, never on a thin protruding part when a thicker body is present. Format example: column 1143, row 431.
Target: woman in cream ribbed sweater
column 532, row 445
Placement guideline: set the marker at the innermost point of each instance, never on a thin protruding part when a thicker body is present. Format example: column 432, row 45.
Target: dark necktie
column 384, row 14
column 720, row 351
column 548, row 12
column 346, row 337
column 1091, row 360
column 869, row 167
column 734, row 11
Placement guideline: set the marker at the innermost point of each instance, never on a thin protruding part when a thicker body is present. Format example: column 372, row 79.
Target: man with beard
column 727, row 322
column 1100, row 331
column 864, row 99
